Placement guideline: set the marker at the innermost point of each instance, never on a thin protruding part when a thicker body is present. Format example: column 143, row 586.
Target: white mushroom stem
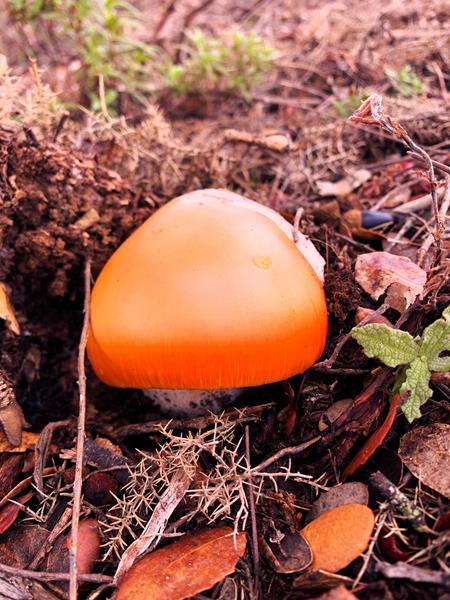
column 191, row 403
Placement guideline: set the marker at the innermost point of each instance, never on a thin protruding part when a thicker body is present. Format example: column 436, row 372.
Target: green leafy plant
column 419, row 356
column 348, row 104
column 236, row 63
column 406, row 81
column 98, row 32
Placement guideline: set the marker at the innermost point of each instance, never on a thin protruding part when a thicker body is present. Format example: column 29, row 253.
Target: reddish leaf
column 99, row 488
column 388, row 546
column 88, row 545
column 8, row 514
column 375, row 440
column 442, row 522
column 184, row 568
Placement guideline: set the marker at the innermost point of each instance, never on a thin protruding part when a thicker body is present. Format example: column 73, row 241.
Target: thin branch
column 372, row 113
column 251, row 497
column 404, row 571
column 285, row 452
column 43, row 576
column 78, row 481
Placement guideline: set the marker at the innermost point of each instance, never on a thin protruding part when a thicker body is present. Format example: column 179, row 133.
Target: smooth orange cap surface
column 208, row 293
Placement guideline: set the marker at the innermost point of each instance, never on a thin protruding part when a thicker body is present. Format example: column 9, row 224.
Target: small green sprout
column 420, row 357
column 100, row 34
column 348, row 104
column 235, row 63
column 406, row 81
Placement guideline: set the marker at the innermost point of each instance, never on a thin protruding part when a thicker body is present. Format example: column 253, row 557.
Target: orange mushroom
column 210, row 293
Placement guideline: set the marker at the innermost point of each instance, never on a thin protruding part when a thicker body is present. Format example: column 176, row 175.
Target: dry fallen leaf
column 88, row 550
column 397, row 276
column 338, row 593
column 7, row 311
column 312, row 581
column 426, row 453
column 184, row 568
column 339, row 536
column 347, row 493
column 88, row 545
column 344, row 186
column 290, row 554
column 29, row 440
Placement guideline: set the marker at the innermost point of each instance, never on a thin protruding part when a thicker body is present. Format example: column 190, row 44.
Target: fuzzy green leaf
column 446, row 314
column 435, row 339
column 392, row 346
column 440, row 364
column 415, row 389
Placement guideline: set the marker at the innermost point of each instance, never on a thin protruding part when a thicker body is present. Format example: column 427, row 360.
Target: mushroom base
column 192, row 403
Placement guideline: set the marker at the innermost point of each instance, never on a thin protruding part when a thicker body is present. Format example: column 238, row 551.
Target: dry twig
column 371, row 112
column 78, row 481
column 251, row 498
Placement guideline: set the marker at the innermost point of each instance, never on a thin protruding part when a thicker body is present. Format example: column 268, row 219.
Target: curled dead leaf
column 426, row 453
column 6, row 309
column 29, row 441
column 290, row 554
column 184, row 568
column 339, row 536
column 397, row 276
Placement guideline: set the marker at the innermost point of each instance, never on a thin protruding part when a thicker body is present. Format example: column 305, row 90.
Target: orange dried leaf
column 88, row 545
column 184, row 568
column 339, row 536
column 6, row 309
column 8, row 514
column 29, row 441
column 375, row 440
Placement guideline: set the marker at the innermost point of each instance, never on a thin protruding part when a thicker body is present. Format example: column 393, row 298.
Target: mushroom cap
column 210, row 292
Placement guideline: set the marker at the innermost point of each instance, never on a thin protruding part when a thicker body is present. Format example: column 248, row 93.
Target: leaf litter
column 112, row 173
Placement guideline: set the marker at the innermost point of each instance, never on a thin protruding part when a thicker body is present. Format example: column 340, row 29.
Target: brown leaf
column 338, row 593
column 99, row 488
column 29, row 440
column 21, row 544
column 397, row 276
column 347, row 493
column 184, row 568
column 311, row 581
column 7, row 311
column 339, row 536
column 291, row 554
column 88, row 545
column 8, row 514
column 426, row 453
column 10, row 469
column 88, row 549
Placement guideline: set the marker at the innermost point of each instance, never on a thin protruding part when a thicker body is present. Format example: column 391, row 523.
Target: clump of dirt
column 58, row 206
